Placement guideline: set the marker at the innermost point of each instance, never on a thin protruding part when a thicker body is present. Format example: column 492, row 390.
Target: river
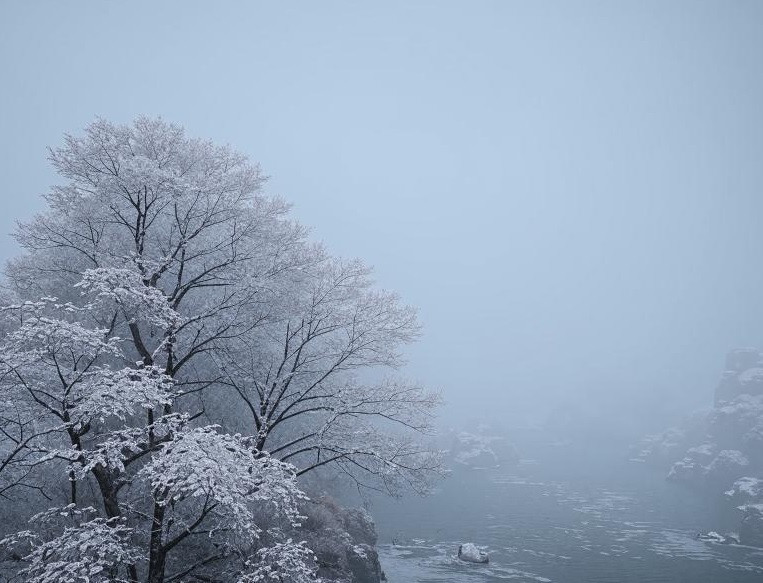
column 562, row 516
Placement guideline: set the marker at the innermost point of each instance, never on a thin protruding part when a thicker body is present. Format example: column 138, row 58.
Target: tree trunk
column 157, row 554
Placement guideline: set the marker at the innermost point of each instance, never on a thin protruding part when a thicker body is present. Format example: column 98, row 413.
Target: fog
column 569, row 192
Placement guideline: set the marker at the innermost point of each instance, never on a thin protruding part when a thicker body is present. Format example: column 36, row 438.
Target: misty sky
column 571, row 192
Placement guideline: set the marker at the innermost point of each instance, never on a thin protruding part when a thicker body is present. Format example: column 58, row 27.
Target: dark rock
column 363, row 561
column 360, row 526
column 343, row 541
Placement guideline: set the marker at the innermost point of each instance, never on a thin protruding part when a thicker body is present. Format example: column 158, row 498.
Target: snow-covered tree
column 158, row 291
column 286, row 562
column 93, row 417
column 74, row 546
column 298, row 375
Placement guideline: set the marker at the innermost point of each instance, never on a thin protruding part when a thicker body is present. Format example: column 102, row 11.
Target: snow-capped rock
column 743, row 375
column 714, row 537
column 727, row 462
column 746, row 489
column 470, row 553
column 701, row 467
column 660, row 448
column 482, row 450
column 687, row 471
column 721, row 451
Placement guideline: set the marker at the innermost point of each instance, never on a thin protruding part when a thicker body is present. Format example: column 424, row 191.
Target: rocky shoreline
column 343, row 540
column 720, row 451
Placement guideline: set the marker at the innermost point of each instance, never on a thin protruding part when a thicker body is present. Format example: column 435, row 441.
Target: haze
column 570, row 194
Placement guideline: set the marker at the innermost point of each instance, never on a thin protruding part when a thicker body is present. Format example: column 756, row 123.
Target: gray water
column 561, row 519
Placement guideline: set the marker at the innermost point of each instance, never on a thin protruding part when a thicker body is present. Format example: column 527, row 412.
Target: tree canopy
column 174, row 353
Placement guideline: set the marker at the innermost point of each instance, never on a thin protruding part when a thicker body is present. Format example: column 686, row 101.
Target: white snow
column 469, row 552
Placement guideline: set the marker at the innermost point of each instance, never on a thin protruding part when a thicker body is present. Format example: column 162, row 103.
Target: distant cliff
column 721, row 450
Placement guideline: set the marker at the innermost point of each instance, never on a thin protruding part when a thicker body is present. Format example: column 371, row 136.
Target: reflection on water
column 544, row 522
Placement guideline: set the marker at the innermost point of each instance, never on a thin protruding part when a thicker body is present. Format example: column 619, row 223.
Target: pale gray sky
column 571, row 192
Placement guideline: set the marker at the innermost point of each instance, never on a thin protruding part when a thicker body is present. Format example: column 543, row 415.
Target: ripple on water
column 557, row 531
column 437, row 562
column 677, row 543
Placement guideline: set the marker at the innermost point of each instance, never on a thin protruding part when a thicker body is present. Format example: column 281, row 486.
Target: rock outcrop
column 471, row 554
column 343, row 540
column 746, row 490
column 743, row 375
column 481, row 449
column 721, row 451
column 702, row 466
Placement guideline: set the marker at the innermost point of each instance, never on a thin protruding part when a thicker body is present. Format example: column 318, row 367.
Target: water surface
column 560, row 519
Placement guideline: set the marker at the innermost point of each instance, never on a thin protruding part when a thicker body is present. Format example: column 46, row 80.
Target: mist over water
column 570, row 194
column 539, row 526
